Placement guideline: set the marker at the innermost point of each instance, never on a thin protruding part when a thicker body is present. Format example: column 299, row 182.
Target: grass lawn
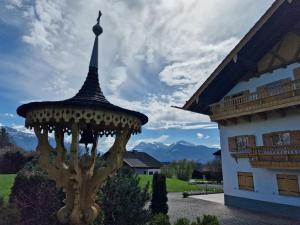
column 6, row 182
column 173, row 184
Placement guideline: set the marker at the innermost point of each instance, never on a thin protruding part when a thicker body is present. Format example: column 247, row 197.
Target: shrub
column 8, row 214
column 182, row 221
column 12, row 162
column 36, row 198
column 159, row 194
column 209, row 220
column 123, row 201
column 160, row 219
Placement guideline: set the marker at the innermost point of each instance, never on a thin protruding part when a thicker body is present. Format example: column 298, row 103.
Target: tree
column 4, row 138
column 181, row 169
column 12, row 162
column 159, row 194
column 123, row 201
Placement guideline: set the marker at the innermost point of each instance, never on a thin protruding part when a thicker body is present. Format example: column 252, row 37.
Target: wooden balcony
column 278, row 97
column 273, row 157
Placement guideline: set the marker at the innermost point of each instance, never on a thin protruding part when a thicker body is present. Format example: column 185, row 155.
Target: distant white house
column 254, row 96
column 141, row 162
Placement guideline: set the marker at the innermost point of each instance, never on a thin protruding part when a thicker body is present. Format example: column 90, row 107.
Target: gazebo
column 86, row 117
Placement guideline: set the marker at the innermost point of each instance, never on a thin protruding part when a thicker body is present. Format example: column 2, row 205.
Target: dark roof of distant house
column 280, row 18
column 136, row 159
column 217, row 152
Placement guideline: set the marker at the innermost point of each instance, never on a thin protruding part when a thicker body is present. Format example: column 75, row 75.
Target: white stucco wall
column 141, row 171
column 265, row 181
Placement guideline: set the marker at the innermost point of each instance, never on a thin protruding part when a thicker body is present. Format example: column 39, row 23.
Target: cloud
column 8, row 115
column 152, row 54
column 161, row 138
column 202, row 136
column 216, row 146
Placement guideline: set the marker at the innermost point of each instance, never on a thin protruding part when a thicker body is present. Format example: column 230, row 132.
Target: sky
column 152, row 55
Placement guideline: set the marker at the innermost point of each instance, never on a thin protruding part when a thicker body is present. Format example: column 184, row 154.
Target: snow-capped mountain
column 162, row 152
column 177, row 151
column 24, row 138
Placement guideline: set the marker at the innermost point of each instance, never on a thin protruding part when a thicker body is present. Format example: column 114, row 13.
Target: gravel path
column 192, row 208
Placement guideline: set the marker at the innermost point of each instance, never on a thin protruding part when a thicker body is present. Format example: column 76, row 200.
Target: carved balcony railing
column 277, row 97
column 281, row 156
column 284, row 156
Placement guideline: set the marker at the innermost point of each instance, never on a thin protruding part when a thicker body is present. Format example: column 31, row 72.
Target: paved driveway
column 192, row 208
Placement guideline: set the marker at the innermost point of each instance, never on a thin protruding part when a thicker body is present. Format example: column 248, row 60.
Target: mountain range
column 160, row 151
column 177, row 151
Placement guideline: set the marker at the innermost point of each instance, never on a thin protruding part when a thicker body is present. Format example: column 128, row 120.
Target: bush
column 209, row 220
column 123, row 201
column 160, row 219
column 159, row 194
column 36, row 198
column 8, row 214
column 12, row 162
column 182, row 221
column 206, row 220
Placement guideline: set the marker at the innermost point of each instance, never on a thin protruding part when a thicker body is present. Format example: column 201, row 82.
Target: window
column 288, row 185
column 245, row 180
column 145, row 172
column 239, row 143
column 281, row 138
column 150, row 173
column 242, row 142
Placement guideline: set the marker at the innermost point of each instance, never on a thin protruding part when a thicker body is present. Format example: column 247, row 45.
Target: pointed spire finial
column 97, row 29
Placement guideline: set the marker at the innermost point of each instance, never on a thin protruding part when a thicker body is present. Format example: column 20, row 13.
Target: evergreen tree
column 4, row 138
column 159, row 194
column 123, row 201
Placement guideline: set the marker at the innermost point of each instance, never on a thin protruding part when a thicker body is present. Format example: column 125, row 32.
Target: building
column 141, row 162
column 254, row 96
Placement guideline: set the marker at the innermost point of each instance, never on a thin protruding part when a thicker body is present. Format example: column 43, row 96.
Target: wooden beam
column 247, row 118
column 276, row 55
column 282, row 112
column 263, row 115
column 223, row 122
column 233, row 120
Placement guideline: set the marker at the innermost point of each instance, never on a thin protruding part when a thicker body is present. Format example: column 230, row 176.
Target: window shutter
column 267, row 139
column 295, row 137
column 288, row 184
column 245, row 181
column 251, row 141
column 232, row 146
